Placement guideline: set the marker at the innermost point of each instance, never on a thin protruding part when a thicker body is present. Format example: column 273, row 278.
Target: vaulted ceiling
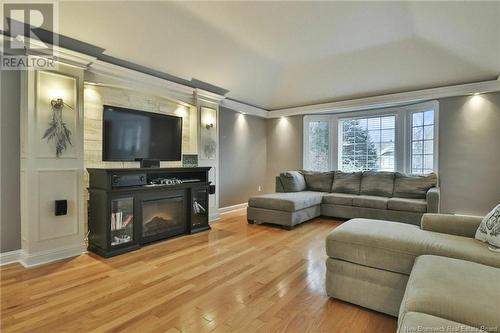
column 281, row 54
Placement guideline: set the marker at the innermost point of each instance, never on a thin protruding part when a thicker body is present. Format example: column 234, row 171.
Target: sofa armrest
column 279, row 185
column 433, row 200
column 459, row 225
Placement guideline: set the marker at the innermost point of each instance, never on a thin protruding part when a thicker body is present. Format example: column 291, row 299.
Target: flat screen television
column 130, row 135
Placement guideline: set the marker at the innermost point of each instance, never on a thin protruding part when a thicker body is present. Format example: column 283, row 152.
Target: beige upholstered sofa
column 435, row 275
column 304, row 195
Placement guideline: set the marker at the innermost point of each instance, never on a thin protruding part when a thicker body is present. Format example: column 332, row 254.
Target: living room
column 250, row 166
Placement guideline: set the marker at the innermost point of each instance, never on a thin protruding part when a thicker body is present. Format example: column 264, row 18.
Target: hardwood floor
column 234, row 278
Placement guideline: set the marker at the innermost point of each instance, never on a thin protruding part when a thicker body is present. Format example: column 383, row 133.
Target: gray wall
column 10, row 226
column 242, row 157
column 469, row 153
column 284, row 146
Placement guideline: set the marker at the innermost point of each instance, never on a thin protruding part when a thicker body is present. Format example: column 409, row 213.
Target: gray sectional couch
column 303, row 195
column 436, row 277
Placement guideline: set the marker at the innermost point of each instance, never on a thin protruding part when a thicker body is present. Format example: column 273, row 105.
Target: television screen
column 129, row 135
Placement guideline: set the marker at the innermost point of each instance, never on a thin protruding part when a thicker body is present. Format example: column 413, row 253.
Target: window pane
column 422, row 143
column 387, row 135
column 373, row 124
column 428, row 147
column 373, row 147
column 416, row 161
column 374, row 136
column 418, row 119
column 429, row 132
column 388, row 122
column 417, row 147
column 362, row 124
column 428, row 163
column 418, row 133
column 318, row 151
column 429, row 117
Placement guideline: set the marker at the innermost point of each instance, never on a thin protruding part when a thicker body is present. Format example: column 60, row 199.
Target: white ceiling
column 281, row 54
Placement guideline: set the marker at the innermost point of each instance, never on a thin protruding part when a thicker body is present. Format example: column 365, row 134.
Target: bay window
column 397, row 139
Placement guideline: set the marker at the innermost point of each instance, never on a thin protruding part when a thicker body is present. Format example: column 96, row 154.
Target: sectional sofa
column 304, row 195
column 435, row 277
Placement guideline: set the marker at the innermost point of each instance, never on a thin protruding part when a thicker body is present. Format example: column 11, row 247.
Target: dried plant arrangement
column 57, row 129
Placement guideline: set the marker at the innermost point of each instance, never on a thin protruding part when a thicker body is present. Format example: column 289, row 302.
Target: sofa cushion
column 380, row 183
column 338, row 199
column 293, row 181
column 422, row 322
column 407, row 205
column 370, row 201
column 406, row 186
column 394, row 246
column 318, row 181
column 346, row 182
column 453, row 289
column 288, row 201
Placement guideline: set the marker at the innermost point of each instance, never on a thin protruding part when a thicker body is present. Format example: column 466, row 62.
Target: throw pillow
column 318, row 181
column 293, row 181
column 489, row 229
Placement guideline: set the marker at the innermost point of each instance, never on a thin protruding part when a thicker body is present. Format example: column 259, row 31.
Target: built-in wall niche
column 208, row 133
column 56, row 118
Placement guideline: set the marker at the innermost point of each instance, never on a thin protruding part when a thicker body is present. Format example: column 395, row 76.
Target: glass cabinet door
column 122, row 221
column 199, row 209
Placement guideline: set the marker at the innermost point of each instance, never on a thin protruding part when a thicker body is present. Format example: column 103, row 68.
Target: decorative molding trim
column 62, row 55
column 10, row 257
column 244, row 108
column 390, row 100
column 228, row 209
column 44, row 257
column 131, row 77
column 207, row 96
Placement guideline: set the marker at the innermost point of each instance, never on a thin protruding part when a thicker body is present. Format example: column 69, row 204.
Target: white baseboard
column 228, row 209
column 214, row 217
column 10, row 257
column 39, row 258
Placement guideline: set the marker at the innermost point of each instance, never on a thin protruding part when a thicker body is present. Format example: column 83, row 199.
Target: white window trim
column 402, row 132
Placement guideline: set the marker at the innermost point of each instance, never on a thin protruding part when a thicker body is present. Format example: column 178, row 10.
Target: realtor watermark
column 449, row 328
column 29, row 35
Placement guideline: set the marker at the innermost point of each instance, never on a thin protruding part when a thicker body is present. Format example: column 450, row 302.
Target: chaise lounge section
column 303, row 195
column 369, row 262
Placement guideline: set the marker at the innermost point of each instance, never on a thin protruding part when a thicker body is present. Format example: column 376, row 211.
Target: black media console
column 132, row 207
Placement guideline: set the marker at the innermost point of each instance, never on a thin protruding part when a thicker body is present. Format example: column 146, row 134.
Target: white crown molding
column 62, row 55
column 207, row 96
column 391, row 100
column 10, row 257
column 134, row 79
column 244, row 108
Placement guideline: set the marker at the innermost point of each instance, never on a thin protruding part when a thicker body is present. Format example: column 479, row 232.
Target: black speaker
column 150, row 163
column 61, row 207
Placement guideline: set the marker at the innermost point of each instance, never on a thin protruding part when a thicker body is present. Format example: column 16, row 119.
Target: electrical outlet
column 260, row 188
